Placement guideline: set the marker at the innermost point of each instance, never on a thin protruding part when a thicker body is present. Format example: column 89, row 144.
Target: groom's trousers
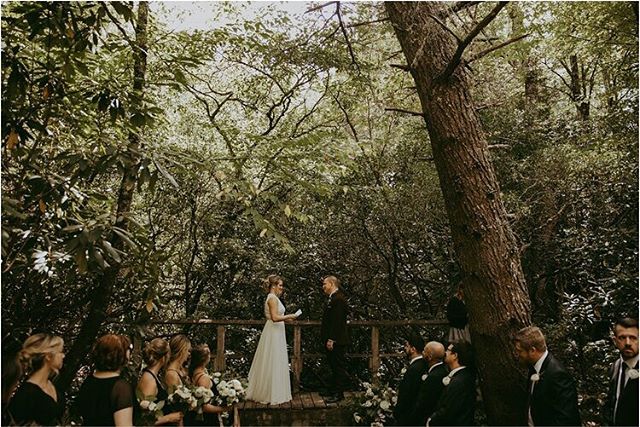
column 338, row 364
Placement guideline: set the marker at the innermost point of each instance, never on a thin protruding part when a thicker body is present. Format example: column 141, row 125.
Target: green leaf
column 166, row 174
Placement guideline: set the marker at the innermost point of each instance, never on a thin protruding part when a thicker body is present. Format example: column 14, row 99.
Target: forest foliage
column 286, row 144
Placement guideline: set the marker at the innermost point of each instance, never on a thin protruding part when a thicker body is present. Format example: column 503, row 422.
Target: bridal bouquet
column 375, row 406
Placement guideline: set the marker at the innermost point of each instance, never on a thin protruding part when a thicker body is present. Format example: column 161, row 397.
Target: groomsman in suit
column 335, row 339
column 431, row 387
column 553, row 400
column 456, row 406
column 621, row 407
column 410, row 383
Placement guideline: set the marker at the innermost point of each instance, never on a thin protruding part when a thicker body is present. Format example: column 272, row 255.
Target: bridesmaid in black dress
column 200, row 358
column 37, row 401
column 105, row 398
column 156, row 355
column 175, row 375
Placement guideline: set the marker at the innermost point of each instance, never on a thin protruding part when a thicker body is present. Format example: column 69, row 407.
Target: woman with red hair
column 105, row 399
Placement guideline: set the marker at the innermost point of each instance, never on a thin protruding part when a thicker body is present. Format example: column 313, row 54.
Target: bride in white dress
column 269, row 374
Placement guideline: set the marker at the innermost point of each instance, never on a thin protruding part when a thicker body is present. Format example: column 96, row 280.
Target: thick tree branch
column 457, row 56
column 375, row 21
column 462, row 5
column 400, row 110
column 496, row 47
column 443, row 25
column 401, row 67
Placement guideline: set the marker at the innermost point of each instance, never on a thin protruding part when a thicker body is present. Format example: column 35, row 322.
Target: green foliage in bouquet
column 375, row 406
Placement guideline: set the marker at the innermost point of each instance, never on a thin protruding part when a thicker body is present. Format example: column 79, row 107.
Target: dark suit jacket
column 430, row 391
column 408, row 393
column 627, row 414
column 554, row 401
column 456, row 406
column 334, row 320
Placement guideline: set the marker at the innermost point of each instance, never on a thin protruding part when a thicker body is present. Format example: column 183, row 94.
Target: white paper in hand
column 298, row 313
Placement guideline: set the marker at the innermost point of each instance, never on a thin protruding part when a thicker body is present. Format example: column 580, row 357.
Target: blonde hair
column 179, row 345
column 155, row 350
column 36, row 348
column 271, row 281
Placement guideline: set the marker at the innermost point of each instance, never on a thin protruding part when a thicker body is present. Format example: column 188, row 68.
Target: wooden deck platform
column 302, row 400
column 304, row 409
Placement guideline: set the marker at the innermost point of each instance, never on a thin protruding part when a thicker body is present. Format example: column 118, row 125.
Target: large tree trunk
column 485, row 247
column 104, row 291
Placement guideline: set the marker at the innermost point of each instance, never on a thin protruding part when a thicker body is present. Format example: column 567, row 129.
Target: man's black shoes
column 334, row 398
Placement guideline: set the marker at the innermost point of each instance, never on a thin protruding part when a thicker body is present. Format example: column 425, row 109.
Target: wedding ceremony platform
column 307, row 407
column 296, row 357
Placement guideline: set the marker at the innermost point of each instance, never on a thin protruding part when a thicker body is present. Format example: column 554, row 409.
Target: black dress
column 32, row 405
column 209, row 419
column 100, row 398
column 161, row 395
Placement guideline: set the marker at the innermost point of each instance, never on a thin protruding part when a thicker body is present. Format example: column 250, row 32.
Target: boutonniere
column 424, row 377
column 535, row 378
column 446, row 380
column 404, row 371
column 633, row 374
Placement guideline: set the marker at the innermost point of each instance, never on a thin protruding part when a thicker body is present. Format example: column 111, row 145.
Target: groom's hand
column 330, row 345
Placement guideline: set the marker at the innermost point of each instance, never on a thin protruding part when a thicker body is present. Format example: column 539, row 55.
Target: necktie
column 622, row 381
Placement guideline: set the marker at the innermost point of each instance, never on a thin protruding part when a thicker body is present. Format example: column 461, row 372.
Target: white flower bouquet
column 150, row 409
column 203, row 396
column 375, row 406
column 182, row 399
column 230, row 392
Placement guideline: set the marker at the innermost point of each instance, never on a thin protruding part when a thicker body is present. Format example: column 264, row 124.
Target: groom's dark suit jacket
column 334, row 320
column 429, row 394
column 627, row 414
column 408, row 392
column 456, row 406
column 554, row 401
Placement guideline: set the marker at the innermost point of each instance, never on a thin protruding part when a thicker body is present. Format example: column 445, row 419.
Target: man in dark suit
column 456, row 406
column 553, row 400
column 621, row 407
column 335, row 339
column 410, row 382
column 431, row 387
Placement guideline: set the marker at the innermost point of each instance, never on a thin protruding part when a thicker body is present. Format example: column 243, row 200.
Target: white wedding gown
column 269, row 374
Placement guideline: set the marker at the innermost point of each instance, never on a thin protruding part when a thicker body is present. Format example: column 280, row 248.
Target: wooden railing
column 219, row 362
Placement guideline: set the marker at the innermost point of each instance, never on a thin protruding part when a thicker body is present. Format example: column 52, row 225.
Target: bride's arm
column 273, row 311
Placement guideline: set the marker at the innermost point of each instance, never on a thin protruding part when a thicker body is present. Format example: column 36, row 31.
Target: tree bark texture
column 103, row 293
column 485, row 246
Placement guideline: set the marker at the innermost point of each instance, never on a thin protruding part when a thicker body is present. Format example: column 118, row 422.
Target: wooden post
column 297, row 357
column 374, row 363
column 219, row 364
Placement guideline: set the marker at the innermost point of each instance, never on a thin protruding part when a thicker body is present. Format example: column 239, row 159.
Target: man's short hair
column 334, row 280
column 464, row 351
column 626, row 322
column 415, row 341
column 531, row 337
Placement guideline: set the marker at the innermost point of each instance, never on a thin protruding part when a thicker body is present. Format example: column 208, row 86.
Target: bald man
column 431, row 386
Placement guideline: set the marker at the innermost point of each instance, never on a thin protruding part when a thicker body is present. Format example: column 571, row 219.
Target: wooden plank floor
column 302, row 400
